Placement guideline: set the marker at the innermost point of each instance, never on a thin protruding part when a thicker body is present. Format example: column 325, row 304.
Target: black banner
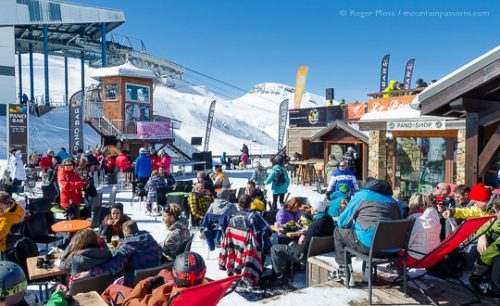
column 210, row 119
column 333, row 113
column 307, row 117
column 384, row 72
column 18, row 129
column 76, row 122
column 408, row 73
column 282, row 123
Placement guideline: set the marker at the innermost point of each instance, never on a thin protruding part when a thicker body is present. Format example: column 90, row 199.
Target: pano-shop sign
column 424, row 125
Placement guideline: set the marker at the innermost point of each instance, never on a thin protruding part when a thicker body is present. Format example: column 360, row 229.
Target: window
column 137, row 93
column 420, row 163
column 111, row 91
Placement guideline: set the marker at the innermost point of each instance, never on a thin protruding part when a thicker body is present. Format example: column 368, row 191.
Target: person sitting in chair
column 282, row 254
column 188, row 270
column 113, row 223
column 177, row 232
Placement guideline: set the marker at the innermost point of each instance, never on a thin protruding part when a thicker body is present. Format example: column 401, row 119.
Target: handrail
column 403, row 92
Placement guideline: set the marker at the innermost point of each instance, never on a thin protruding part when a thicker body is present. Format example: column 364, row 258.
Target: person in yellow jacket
column 393, row 85
column 10, row 213
column 480, row 195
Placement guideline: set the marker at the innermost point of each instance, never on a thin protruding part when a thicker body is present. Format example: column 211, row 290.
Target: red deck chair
column 208, row 294
column 447, row 247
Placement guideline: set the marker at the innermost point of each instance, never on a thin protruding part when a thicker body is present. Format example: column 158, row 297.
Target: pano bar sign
column 75, row 122
column 425, row 125
column 153, row 130
column 18, row 129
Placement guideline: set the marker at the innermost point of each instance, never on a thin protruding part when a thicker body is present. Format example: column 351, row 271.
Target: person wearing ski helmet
column 188, row 270
column 143, row 166
column 13, row 282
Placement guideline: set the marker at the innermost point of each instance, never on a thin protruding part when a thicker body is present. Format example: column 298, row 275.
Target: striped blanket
column 239, row 255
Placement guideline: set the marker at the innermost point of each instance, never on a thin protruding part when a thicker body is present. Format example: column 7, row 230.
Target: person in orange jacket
column 71, row 187
column 188, row 270
column 11, row 213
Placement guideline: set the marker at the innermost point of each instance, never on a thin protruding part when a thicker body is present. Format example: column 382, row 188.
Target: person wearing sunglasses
column 342, row 176
column 70, row 186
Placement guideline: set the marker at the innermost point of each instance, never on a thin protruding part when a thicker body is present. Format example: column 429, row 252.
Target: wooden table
column 70, row 226
column 35, row 273
column 303, row 172
column 91, row 298
column 280, row 229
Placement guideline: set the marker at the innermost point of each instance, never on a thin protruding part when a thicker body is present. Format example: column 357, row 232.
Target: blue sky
column 248, row 42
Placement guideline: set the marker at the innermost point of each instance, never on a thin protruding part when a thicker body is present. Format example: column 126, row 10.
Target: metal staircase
column 95, row 118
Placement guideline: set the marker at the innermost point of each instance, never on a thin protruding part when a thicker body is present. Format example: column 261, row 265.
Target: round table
column 70, row 226
column 178, row 193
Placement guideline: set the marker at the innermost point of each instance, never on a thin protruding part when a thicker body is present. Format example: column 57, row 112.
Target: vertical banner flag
column 75, row 122
column 282, row 123
column 300, row 84
column 18, row 129
column 384, row 72
column 408, row 73
column 209, row 125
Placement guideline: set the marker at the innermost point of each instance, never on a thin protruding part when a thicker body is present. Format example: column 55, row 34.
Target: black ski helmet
column 189, row 269
column 13, row 283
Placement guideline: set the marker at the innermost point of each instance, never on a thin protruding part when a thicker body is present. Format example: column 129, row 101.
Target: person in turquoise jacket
column 279, row 180
column 336, row 199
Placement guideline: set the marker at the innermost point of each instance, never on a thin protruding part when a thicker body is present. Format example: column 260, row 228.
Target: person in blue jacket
column 63, row 154
column 342, row 176
column 356, row 225
column 279, row 180
column 143, row 167
column 223, row 159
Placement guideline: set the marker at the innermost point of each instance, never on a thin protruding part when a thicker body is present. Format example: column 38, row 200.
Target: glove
column 328, row 194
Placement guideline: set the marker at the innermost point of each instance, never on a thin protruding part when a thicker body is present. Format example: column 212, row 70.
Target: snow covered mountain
column 251, row 118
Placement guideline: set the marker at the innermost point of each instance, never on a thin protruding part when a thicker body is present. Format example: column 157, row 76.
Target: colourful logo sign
column 313, row 116
column 17, row 109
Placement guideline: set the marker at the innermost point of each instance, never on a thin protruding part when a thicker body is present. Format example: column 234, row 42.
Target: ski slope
column 251, row 119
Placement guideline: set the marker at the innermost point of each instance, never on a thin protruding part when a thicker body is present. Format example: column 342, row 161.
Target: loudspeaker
column 203, row 156
column 196, row 141
column 330, row 94
column 110, row 140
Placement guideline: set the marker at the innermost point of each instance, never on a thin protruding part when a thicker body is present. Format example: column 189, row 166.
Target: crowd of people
column 241, row 225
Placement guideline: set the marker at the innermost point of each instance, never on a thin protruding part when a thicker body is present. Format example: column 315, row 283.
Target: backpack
column 279, row 177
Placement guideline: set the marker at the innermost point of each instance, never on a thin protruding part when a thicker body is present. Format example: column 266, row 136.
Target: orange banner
column 355, row 111
column 393, row 103
column 300, row 84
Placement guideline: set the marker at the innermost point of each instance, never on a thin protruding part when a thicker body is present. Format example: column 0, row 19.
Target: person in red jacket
column 70, row 186
column 46, row 161
column 165, row 161
column 110, row 163
column 124, row 165
column 155, row 159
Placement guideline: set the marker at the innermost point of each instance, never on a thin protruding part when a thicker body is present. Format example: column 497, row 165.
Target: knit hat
column 480, row 193
column 344, row 188
column 318, row 205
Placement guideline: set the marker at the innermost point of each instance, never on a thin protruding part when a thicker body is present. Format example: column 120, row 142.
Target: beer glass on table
column 115, row 241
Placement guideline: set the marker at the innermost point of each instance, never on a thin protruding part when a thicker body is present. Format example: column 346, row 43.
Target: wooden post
column 471, row 148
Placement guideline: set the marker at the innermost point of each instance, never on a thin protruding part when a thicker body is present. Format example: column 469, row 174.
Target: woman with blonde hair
column 425, row 234
column 289, row 211
column 85, row 251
